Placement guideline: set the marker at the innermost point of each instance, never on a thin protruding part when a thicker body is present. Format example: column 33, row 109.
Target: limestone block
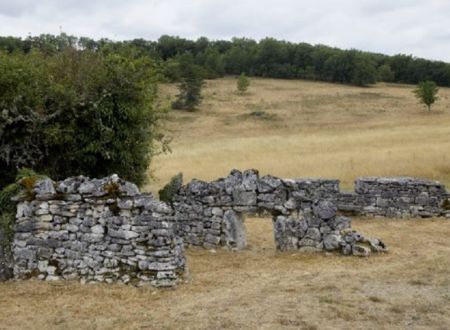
column 247, row 198
column 268, row 183
column 234, row 230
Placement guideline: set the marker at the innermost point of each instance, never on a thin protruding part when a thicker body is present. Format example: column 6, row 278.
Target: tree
column 385, row 73
column 426, row 92
column 213, row 63
column 339, row 67
column 241, row 56
column 364, row 72
column 190, row 85
column 242, row 83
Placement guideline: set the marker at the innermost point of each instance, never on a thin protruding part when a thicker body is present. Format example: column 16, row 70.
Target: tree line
column 268, row 57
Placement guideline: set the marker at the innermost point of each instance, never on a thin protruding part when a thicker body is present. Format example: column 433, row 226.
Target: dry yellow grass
column 261, row 289
column 308, row 129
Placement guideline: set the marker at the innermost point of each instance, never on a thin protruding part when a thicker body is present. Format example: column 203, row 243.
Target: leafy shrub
column 167, row 193
column 77, row 112
column 242, row 83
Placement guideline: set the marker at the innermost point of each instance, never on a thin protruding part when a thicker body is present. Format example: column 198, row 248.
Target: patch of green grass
column 261, row 106
column 397, row 309
column 327, row 300
column 418, row 282
column 258, row 113
column 376, row 299
column 319, row 100
column 372, row 96
column 315, row 101
column 262, row 115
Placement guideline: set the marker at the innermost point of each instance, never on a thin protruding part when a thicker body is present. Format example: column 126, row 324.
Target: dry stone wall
column 320, row 228
column 211, row 214
column 208, row 213
column 96, row 230
column 106, row 230
column 396, row 197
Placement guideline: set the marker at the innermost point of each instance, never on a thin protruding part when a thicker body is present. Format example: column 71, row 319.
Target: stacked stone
column 396, row 197
column 320, row 229
column 96, row 230
column 210, row 214
column 5, row 258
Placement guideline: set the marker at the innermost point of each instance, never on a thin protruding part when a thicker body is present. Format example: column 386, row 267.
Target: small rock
column 332, row 242
column 98, row 229
column 360, row 250
column 325, row 209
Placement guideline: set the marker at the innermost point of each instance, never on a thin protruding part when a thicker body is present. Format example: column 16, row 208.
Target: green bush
column 242, row 83
column 167, row 193
column 77, row 112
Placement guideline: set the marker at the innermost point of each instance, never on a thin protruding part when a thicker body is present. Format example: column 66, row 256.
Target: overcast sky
column 418, row 27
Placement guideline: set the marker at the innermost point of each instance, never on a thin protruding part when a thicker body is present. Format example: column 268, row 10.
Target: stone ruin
column 105, row 230
column 304, row 212
column 396, row 197
column 95, row 230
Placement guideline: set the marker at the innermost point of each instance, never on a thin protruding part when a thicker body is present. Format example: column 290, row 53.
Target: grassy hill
column 293, row 128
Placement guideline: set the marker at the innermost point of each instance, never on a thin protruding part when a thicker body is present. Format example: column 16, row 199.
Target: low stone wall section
column 321, row 229
column 204, row 210
column 396, row 197
column 96, row 230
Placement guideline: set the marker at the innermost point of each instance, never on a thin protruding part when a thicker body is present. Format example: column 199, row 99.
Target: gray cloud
column 402, row 26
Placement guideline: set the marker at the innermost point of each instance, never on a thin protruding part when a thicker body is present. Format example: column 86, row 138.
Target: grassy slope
column 308, row 129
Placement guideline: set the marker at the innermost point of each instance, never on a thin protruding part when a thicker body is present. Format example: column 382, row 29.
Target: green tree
column 241, row 56
column 385, row 73
column 426, row 92
column 190, row 85
column 213, row 63
column 364, row 72
column 339, row 67
column 242, row 83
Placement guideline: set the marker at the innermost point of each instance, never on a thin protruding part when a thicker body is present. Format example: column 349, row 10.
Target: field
column 259, row 288
column 307, row 129
column 288, row 129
